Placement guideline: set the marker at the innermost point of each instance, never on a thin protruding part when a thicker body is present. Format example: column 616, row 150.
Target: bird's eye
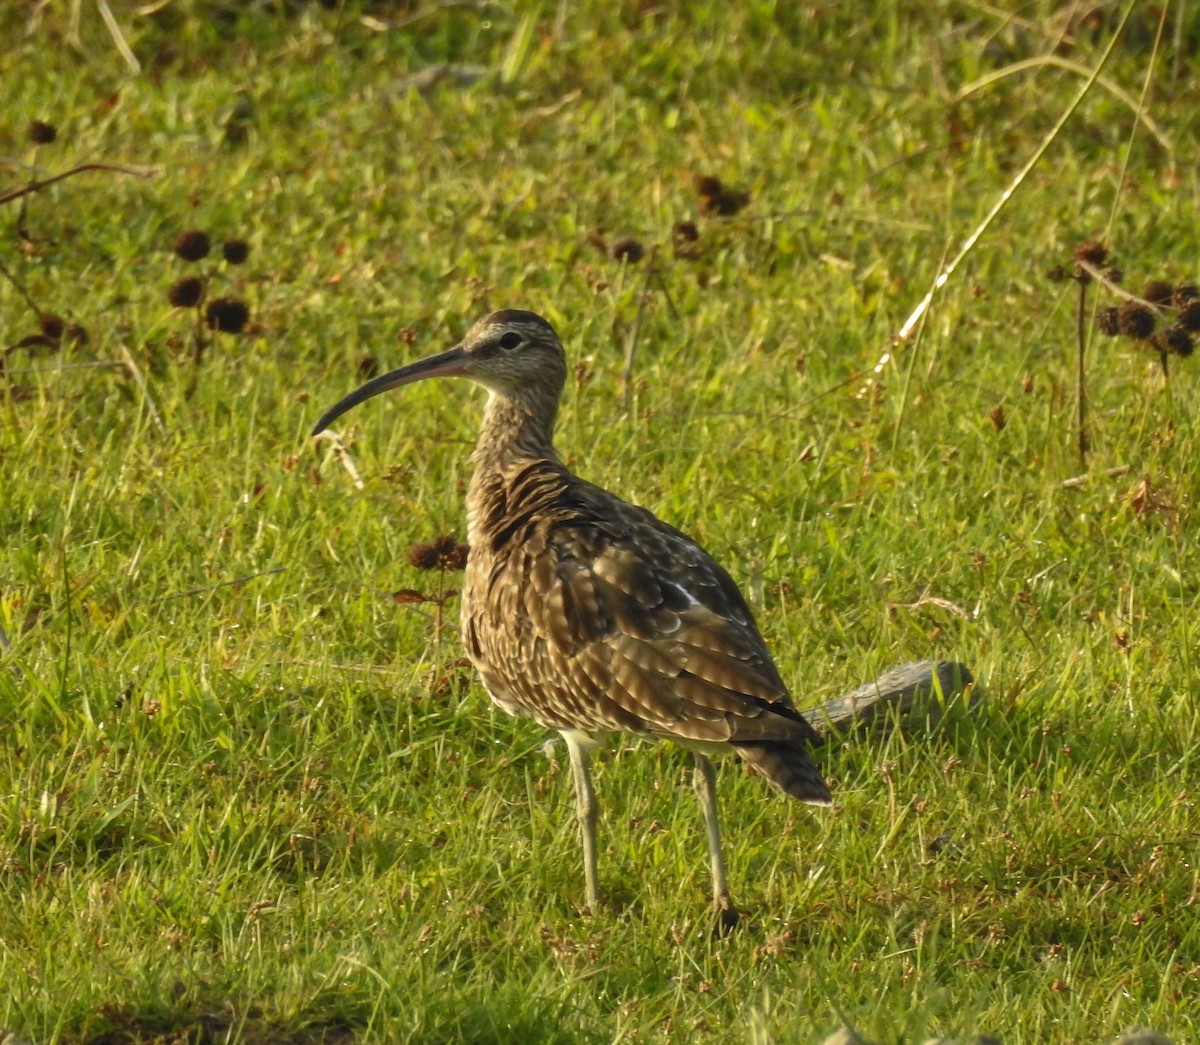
column 510, row 340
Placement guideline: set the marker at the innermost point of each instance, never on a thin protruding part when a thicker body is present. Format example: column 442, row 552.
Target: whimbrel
column 590, row 615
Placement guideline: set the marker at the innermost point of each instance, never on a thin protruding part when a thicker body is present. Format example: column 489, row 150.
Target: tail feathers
column 788, row 766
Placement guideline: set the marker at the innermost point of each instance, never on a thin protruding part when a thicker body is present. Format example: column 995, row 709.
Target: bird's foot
column 728, row 916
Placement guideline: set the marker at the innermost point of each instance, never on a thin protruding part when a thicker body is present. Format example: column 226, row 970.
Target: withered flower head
column 229, row 315
column 235, row 251
column 1135, row 320
column 444, row 552
column 1184, row 294
column 366, row 367
column 1176, row 339
column 192, row 245
column 1189, row 317
column 424, row 556
column 1057, row 274
column 51, row 325
column 1108, row 320
column 708, row 185
column 628, row 249
column 42, row 133
column 726, row 203
column 686, row 232
column 186, row 292
column 1158, row 292
column 1093, row 253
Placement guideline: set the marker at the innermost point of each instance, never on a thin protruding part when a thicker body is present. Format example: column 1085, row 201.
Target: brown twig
column 37, row 186
column 1081, row 390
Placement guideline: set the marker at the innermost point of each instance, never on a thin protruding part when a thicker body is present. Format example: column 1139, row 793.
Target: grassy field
column 246, row 795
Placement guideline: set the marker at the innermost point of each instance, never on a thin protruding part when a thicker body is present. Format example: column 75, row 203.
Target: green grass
column 243, row 791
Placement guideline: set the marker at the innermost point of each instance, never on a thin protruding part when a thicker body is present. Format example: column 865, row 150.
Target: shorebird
column 590, row 615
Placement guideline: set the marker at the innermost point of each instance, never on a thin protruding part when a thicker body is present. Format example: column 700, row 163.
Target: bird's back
column 589, row 614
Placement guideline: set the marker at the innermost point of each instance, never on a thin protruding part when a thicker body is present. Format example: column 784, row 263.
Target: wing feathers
column 623, row 623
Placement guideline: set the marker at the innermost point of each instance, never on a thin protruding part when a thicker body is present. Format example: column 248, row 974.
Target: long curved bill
column 451, row 363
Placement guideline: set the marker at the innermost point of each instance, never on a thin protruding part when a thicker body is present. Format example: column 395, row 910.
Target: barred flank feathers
column 788, row 767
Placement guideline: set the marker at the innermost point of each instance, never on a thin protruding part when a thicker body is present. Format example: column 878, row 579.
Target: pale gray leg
column 587, row 810
column 704, row 780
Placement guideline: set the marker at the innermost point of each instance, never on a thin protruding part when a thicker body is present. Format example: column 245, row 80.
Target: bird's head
column 512, row 353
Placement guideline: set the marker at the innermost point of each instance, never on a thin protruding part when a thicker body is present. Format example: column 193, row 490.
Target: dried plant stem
column 1116, row 289
column 1081, row 389
column 37, row 186
column 947, row 270
column 632, row 340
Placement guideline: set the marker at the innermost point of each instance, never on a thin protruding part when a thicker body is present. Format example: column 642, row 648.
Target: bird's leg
column 587, row 810
column 704, row 780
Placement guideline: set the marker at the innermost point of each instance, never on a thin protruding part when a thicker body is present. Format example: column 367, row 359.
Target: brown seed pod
column 52, row 326
column 186, row 293
column 1135, row 320
column 235, row 251
column 192, row 245
column 1189, row 317
column 1176, row 339
column 424, row 556
column 229, row 315
column 1184, row 294
column 628, row 249
column 1092, row 253
column 1108, row 321
column 708, row 185
column 685, row 232
column 41, row 132
column 457, row 558
column 726, row 203
column 1158, row 292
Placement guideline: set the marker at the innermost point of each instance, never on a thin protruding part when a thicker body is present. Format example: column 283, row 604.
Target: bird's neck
column 514, row 431
column 515, row 437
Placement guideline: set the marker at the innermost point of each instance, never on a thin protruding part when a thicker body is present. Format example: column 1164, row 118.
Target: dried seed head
column 708, row 185
column 1135, row 320
column 235, row 251
column 1189, row 317
column 42, row 133
column 76, row 334
column 1092, row 253
column 366, row 367
column 186, row 292
column 444, row 552
column 686, row 232
column 229, row 315
column 1114, row 274
column 1057, row 274
column 51, row 325
column 1176, row 339
column 1184, row 294
column 424, row 556
column 457, row 559
column 1158, row 292
column 727, row 203
column 1108, row 321
column 192, row 245
column 628, row 249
